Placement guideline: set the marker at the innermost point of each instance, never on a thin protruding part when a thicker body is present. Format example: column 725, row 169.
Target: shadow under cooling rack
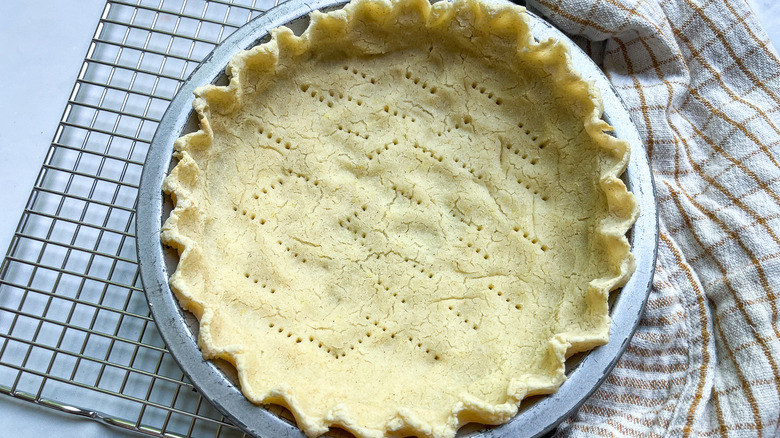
column 75, row 330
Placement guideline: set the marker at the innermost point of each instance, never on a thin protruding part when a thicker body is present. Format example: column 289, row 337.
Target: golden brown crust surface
column 403, row 220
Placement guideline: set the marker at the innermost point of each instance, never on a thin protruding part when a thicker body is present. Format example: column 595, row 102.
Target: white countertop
column 43, row 45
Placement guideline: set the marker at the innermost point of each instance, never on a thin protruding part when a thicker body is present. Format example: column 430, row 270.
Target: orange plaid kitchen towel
column 702, row 84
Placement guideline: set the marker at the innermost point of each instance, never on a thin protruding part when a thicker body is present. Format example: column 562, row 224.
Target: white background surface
column 43, row 44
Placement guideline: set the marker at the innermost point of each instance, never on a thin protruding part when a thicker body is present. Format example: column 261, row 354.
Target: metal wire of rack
column 75, row 329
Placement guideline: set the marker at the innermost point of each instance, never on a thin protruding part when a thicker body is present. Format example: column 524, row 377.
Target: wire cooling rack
column 75, row 330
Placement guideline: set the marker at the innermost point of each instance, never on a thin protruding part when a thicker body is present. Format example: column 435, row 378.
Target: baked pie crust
column 403, row 220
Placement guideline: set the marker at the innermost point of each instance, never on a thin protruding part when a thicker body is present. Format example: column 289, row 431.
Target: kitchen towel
column 702, row 84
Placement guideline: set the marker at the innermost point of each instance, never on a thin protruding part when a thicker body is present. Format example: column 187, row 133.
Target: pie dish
column 435, row 195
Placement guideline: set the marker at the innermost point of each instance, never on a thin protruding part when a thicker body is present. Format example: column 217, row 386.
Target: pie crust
column 403, row 220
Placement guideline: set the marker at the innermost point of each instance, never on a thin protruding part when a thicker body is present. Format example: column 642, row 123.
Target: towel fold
column 702, row 83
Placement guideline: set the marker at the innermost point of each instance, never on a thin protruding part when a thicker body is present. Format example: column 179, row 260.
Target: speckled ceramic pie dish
column 621, row 330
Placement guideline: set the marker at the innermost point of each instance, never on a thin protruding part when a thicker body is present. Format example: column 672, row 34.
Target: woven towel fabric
column 702, row 84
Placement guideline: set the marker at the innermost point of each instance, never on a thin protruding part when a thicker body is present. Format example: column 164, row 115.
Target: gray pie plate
column 217, row 382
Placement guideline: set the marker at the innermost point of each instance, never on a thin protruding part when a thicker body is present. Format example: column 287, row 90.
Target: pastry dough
column 401, row 221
